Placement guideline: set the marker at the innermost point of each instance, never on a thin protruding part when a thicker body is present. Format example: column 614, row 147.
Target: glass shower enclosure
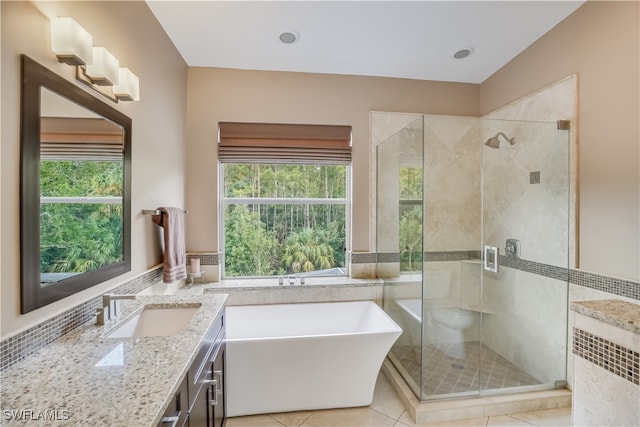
column 473, row 239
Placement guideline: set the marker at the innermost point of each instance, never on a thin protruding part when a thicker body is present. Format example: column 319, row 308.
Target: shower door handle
column 490, row 258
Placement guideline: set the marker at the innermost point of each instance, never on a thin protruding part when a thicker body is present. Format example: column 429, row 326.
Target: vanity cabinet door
column 200, row 401
column 198, row 417
column 208, row 410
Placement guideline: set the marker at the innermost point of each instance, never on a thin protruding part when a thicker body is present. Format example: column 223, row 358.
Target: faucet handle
column 102, row 315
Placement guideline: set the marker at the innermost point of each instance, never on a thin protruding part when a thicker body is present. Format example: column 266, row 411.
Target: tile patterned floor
column 456, row 368
column 387, row 411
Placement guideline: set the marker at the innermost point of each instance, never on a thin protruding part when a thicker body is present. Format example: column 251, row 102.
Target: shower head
column 494, row 141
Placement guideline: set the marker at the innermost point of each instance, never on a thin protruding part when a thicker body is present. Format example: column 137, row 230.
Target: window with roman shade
column 285, row 198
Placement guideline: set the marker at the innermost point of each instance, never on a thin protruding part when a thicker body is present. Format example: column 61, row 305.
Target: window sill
column 271, row 283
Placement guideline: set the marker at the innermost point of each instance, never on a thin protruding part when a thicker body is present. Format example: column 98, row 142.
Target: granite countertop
column 623, row 314
column 87, row 378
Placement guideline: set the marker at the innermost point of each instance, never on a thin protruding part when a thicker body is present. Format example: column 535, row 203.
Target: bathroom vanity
column 95, row 376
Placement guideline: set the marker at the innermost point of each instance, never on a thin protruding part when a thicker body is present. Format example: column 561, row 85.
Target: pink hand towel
column 175, row 258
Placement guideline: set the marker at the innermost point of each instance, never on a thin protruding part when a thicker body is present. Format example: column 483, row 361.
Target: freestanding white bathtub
column 290, row 357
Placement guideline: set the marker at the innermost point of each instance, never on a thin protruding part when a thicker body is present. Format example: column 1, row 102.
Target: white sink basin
column 156, row 321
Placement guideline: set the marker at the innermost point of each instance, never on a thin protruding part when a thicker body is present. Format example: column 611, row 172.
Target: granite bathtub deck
column 88, row 378
column 622, row 314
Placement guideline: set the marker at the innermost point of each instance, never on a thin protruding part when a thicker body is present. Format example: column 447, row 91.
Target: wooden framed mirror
column 75, row 189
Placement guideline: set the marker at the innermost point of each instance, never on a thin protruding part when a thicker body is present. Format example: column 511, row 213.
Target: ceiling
column 404, row 39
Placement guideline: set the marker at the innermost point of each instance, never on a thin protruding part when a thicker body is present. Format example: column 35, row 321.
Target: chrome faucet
column 110, row 307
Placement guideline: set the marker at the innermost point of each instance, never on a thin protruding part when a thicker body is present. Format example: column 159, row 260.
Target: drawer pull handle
column 218, row 376
column 173, row 420
column 214, row 393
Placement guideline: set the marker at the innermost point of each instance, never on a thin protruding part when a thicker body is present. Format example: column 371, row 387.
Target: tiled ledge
column 272, row 283
column 315, row 289
column 606, row 333
column 622, row 314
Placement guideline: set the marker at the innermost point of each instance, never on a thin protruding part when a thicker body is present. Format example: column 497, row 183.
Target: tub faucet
column 110, row 307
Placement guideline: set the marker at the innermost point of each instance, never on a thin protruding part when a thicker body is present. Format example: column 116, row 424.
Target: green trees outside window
column 284, row 219
column 410, row 215
column 80, row 216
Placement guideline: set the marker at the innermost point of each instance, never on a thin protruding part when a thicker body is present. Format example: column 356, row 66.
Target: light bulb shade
column 71, row 43
column 104, row 70
column 128, row 87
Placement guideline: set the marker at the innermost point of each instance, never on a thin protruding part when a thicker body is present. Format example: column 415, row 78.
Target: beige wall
column 257, row 96
column 600, row 42
column 131, row 33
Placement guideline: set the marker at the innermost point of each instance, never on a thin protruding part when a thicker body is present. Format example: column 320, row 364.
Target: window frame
column 224, row 201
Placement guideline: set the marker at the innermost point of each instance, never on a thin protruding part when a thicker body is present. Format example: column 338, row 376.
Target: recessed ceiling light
column 289, row 36
column 463, row 53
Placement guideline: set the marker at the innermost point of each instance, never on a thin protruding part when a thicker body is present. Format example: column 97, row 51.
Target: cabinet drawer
column 206, row 353
column 176, row 414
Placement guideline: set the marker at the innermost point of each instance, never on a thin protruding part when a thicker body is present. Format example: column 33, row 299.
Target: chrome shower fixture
column 494, row 142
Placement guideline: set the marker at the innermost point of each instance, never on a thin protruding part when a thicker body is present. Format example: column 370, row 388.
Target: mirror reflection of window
column 81, row 189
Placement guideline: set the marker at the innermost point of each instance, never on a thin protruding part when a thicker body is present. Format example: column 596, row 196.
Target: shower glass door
column 526, row 237
column 452, row 238
column 399, row 212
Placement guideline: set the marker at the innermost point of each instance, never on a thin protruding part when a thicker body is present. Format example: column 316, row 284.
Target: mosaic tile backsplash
column 619, row 360
column 19, row 346
column 613, row 285
column 205, row 258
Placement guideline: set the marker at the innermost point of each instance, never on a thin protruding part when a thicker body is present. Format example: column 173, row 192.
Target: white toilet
column 446, row 325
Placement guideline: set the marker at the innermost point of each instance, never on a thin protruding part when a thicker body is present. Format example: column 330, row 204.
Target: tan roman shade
column 64, row 138
column 283, row 143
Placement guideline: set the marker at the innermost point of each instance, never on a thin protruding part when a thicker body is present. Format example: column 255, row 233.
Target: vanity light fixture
column 128, row 88
column 96, row 67
column 103, row 71
column 71, row 43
